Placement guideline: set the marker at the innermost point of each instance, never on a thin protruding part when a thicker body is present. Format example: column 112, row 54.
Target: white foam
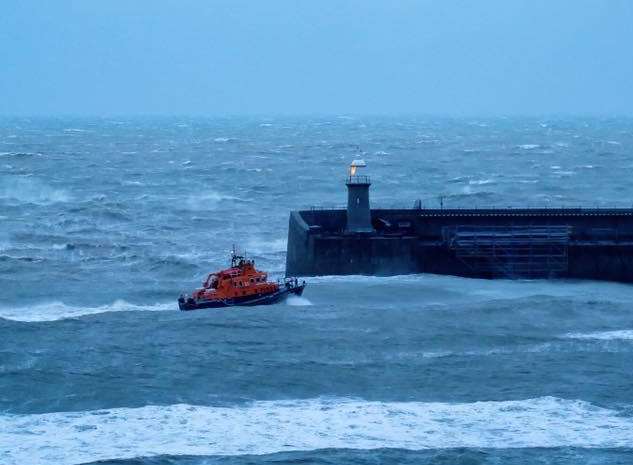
column 624, row 334
column 297, row 301
column 209, row 200
column 487, row 289
column 54, row 311
column 535, row 348
column 480, row 182
column 266, row 246
column 31, row 190
column 529, row 146
column 275, row 426
column 20, row 154
column 545, row 347
column 5, row 243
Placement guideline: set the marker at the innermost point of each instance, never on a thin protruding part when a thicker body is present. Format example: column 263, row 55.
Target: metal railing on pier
column 462, row 208
column 511, row 251
column 358, row 179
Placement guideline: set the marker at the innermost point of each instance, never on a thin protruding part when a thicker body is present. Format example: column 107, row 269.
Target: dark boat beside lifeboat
column 240, row 285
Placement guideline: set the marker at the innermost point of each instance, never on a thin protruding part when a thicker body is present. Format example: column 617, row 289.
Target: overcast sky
column 216, row 57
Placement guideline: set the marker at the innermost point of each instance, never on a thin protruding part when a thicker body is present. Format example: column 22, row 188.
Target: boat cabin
column 241, row 280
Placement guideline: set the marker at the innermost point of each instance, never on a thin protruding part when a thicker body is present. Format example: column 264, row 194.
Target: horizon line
column 337, row 115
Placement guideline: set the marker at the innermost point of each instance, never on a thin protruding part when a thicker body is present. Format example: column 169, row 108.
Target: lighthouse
column 358, row 212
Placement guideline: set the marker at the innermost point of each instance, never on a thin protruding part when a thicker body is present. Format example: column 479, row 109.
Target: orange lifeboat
column 241, row 284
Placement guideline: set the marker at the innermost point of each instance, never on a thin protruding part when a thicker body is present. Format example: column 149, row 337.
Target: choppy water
column 104, row 222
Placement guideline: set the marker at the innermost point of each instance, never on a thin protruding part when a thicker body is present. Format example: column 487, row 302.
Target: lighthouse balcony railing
column 358, row 179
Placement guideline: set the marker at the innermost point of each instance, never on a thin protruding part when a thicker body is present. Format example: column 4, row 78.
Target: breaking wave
column 58, row 310
column 545, row 347
column 30, row 190
column 485, row 289
column 267, row 427
column 624, row 334
column 263, row 246
column 209, row 200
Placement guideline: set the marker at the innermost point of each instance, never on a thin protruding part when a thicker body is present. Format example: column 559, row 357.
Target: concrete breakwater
column 487, row 243
column 585, row 243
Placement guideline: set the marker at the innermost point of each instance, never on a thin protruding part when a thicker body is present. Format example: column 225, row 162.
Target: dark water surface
column 104, row 222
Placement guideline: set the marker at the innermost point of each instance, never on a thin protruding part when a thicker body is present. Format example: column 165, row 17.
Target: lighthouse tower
column 358, row 212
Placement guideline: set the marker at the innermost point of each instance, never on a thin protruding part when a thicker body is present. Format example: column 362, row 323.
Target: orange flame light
column 355, row 165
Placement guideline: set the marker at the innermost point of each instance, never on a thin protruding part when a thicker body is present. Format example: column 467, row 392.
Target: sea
column 105, row 221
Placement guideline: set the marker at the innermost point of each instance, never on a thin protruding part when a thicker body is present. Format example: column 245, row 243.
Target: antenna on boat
column 236, row 259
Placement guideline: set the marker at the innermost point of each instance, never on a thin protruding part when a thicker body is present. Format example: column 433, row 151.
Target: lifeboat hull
column 187, row 304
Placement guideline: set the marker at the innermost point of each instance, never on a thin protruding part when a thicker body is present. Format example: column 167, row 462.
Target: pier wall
column 506, row 243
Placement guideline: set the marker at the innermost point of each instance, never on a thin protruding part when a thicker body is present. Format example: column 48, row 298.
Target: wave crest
column 30, row 190
column 54, row 311
column 278, row 426
column 623, row 334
